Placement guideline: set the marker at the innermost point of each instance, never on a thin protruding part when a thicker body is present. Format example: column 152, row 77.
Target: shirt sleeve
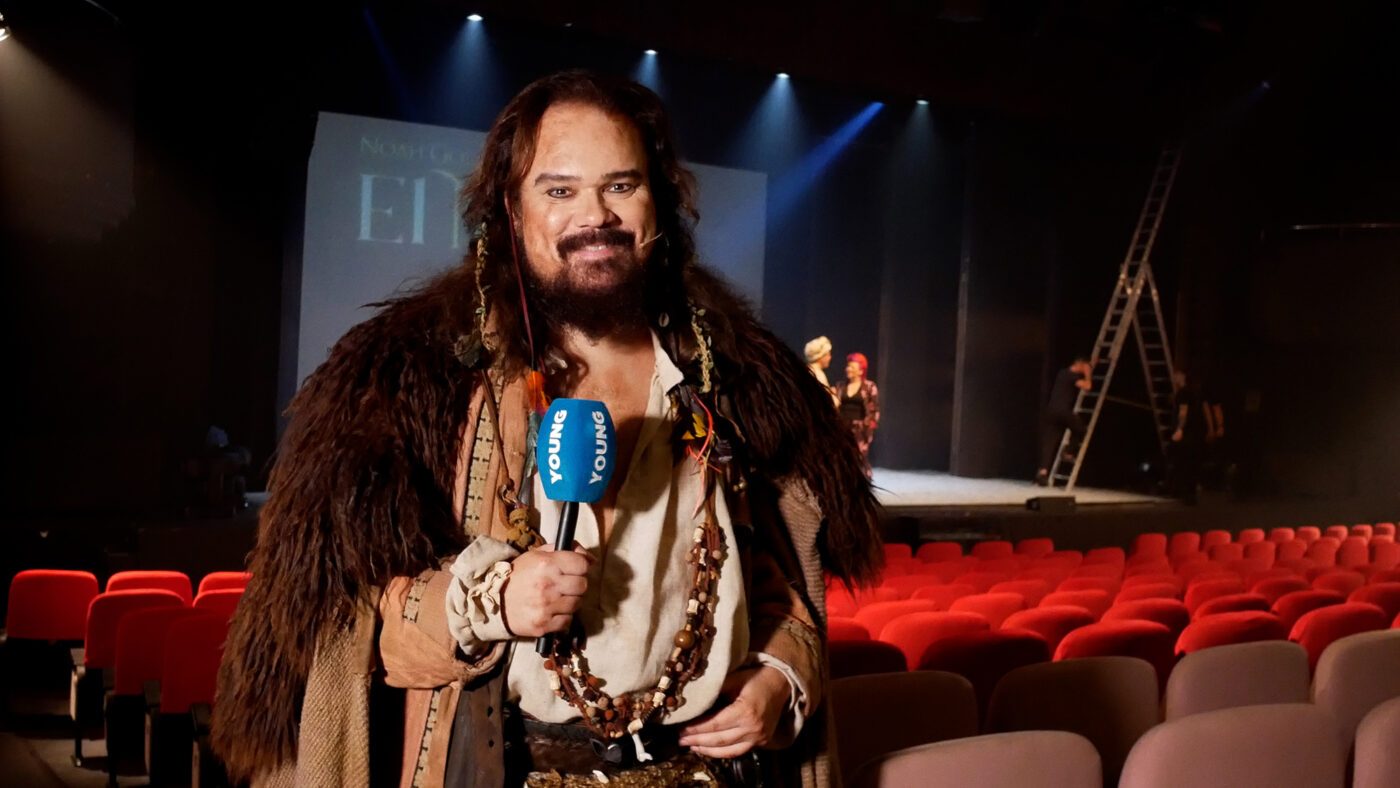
column 784, row 637
column 474, row 614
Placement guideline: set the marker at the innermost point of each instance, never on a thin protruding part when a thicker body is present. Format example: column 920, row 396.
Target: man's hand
column 760, row 695
column 544, row 590
column 1177, row 436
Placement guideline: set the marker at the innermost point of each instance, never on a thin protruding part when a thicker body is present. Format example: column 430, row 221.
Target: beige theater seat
column 1024, row 759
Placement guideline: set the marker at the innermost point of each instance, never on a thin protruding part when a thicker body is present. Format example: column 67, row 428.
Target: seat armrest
column 151, row 690
column 201, row 714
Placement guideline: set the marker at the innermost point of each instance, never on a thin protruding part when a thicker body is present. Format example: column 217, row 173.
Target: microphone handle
column 563, row 540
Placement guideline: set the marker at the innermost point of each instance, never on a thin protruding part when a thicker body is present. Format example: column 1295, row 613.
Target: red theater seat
column 1384, row 529
column 993, row 607
column 1342, row 581
column 1109, row 584
column 178, row 582
column 141, row 640
column 1050, row 623
column 1385, row 576
column 1323, row 552
column 1228, row 551
column 223, row 601
column 1309, row 533
column 1167, row 612
column 1385, row 596
column 194, row 647
column 1094, row 601
column 1274, row 587
column 983, row 657
column 1265, row 552
column 1281, row 534
column 1232, row 603
column 1363, row 530
column 1224, row 629
column 876, row 615
column 1150, row 544
column 915, row 632
column 1354, row 551
column 895, row 551
column 1155, row 577
column 1338, row 532
column 216, row 580
column 1145, row 640
column 1385, row 555
column 1036, row 547
column 860, row 657
column 1030, row 590
column 982, row 581
column 993, row 549
column 1184, row 543
column 1291, row 550
column 842, row 628
column 1292, row 606
column 49, row 604
column 1250, row 535
column 1147, row 591
column 1214, row 537
column 943, row 595
column 1106, row 555
column 1147, row 565
column 1317, row 629
column 1206, row 590
column 933, row 552
column 906, row 585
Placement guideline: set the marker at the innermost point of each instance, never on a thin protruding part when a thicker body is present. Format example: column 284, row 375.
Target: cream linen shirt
column 637, row 587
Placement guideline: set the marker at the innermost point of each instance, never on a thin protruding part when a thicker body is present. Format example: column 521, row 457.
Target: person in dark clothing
column 1193, row 426
column 1060, row 416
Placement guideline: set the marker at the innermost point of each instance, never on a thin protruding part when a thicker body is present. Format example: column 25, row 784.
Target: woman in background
column 859, row 404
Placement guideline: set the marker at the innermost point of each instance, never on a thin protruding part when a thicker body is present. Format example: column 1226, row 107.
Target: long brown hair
column 507, row 156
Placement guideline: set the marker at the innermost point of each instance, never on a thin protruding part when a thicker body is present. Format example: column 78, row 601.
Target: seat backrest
column 1084, row 582
column 860, row 657
column 1241, row 674
column 1231, row 603
column 1385, row 596
column 1250, row 535
column 1204, row 590
column 984, row 657
column 1343, row 581
column 216, row 580
column 932, row 552
column 1110, row 701
column 141, row 646
column 1355, row 551
column 1377, row 757
column 179, row 582
column 933, row 706
column 1318, row 629
column 1093, row 600
column 1168, row 612
column 897, row 551
column 915, row 632
column 1184, row 543
column 1223, row 629
column 105, row 615
column 1214, row 537
column 1131, row 593
column 1281, row 534
column 1035, row 547
column 1050, row 623
column 1355, row 674
column 1385, row 555
column 876, row 615
column 194, row 647
column 1271, row 588
column 49, row 604
column 942, row 595
column 1150, row 544
column 1264, row 551
column 1031, row 590
column 1146, row 640
column 1288, row 745
column 1292, row 606
column 842, row 628
column 994, row 607
column 1309, row 533
column 1025, row 759
column 993, row 548
column 223, row 601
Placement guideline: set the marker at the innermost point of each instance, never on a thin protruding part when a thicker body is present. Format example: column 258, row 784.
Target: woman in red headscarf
column 859, row 403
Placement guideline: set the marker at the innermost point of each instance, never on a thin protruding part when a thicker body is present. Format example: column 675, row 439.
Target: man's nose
column 594, row 211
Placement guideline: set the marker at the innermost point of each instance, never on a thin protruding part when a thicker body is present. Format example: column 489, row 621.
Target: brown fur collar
column 362, row 488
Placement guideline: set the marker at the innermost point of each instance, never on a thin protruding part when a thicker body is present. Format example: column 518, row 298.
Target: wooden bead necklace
column 613, row 718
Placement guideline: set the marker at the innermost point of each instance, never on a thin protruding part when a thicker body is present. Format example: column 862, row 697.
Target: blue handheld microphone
column 576, row 451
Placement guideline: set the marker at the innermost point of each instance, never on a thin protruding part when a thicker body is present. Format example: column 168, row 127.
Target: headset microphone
column 576, row 452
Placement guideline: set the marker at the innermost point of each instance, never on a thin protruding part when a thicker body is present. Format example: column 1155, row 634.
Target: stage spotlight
column 474, row 17
column 4, row 28
column 922, row 102
column 650, row 52
column 782, row 75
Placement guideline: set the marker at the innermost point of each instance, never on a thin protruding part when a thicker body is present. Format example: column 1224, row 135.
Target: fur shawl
column 362, row 488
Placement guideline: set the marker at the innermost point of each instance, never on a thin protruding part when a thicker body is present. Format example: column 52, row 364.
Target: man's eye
column 621, row 188
column 558, row 191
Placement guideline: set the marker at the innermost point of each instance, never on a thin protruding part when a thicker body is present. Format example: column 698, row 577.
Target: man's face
column 824, row 361
column 586, row 215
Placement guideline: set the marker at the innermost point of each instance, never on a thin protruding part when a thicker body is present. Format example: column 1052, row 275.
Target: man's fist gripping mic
column 576, row 451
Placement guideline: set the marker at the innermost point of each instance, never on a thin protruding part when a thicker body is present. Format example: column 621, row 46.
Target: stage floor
column 930, row 489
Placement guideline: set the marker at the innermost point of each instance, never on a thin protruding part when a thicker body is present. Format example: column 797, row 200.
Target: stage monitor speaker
column 1051, row 504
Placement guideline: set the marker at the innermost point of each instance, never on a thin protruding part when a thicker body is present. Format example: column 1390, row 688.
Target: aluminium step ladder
column 1134, row 308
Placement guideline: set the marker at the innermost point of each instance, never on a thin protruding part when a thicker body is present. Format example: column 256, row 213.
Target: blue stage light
column 651, row 52
column 474, row 17
column 782, row 75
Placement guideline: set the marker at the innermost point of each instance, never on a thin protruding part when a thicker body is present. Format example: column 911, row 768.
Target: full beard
column 567, row 300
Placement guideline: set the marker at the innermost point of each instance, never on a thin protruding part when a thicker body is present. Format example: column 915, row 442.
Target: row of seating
column 148, row 661
column 1113, row 703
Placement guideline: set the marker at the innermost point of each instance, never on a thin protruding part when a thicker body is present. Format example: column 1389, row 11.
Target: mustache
column 607, row 236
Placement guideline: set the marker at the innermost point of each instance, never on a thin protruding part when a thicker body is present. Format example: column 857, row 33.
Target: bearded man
column 400, row 576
